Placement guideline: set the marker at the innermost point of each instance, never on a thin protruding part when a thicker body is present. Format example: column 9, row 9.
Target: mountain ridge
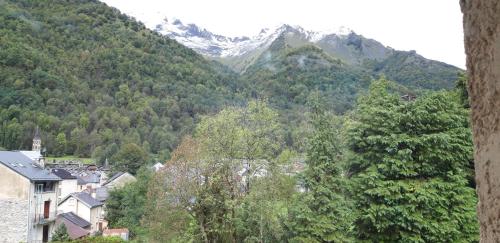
column 219, row 46
column 240, row 52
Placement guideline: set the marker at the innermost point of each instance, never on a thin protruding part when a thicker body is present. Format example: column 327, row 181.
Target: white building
column 28, row 199
column 68, row 183
column 157, row 167
column 87, row 208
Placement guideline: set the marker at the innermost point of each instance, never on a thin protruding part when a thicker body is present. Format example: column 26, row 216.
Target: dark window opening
column 47, row 186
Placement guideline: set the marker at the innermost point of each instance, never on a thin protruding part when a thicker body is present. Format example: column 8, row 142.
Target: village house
column 67, row 185
column 86, row 207
column 119, row 180
column 28, row 196
column 157, row 167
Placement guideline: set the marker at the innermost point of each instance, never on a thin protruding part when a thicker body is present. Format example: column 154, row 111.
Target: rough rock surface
column 14, row 220
column 482, row 46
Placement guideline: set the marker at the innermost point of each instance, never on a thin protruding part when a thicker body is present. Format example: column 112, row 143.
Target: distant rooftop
column 63, row 174
column 91, row 177
column 26, row 167
column 118, row 174
column 84, row 198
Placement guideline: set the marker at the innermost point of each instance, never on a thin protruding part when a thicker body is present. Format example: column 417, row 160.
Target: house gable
column 12, row 184
column 119, row 180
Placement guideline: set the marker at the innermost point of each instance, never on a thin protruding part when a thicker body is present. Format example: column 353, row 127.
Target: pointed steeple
column 37, row 141
column 37, row 134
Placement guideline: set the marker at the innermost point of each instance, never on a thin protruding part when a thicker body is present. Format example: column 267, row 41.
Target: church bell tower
column 37, row 141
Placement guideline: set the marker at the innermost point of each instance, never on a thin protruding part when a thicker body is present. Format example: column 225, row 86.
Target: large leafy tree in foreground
column 409, row 166
column 206, row 189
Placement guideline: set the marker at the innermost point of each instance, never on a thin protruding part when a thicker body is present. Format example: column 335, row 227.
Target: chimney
column 40, row 162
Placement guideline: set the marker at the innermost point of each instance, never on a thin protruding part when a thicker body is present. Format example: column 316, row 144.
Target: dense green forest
column 95, row 80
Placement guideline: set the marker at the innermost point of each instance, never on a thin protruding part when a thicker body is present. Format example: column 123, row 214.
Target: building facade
column 28, row 199
column 68, row 183
column 86, row 207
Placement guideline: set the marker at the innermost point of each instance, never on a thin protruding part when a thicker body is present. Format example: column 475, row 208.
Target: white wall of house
column 92, row 215
column 96, row 216
column 70, row 205
column 67, row 187
column 83, row 211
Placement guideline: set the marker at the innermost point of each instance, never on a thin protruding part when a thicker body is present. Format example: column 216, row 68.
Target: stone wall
column 14, row 224
column 482, row 46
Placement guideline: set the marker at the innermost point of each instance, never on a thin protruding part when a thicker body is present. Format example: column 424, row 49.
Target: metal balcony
column 41, row 219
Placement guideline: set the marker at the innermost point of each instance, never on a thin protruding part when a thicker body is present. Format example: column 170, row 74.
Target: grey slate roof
column 74, row 231
column 63, row 174
column 113, row 178
column 26, row 167
column 92, row 177
column 75, row 219
column 84, row 198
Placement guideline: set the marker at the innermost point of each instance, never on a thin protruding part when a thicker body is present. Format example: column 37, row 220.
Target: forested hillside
column 288, row 76
column 93, row 79
column 291, row 68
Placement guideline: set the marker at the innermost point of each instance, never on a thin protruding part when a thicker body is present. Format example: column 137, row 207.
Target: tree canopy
column 409, row 168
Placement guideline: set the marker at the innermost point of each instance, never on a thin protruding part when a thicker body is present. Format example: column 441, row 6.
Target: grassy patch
column 70, row 158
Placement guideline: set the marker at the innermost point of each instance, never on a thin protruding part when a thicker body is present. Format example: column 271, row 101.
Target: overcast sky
column 431, row 27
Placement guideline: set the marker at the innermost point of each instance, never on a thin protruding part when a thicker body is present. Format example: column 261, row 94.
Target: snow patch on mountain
column 214, row 45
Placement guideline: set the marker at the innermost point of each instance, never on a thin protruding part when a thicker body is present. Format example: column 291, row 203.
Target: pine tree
column 409, row 166
column 61, row 234
column 321, row 214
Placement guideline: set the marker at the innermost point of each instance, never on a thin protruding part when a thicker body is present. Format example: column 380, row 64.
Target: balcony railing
column 45, row 191
column 45, row 219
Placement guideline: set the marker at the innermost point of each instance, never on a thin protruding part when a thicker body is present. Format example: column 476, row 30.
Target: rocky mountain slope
column 287, row 64
column 241, row 53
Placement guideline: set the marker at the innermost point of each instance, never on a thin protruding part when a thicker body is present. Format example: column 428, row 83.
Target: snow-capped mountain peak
column 214, row 45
